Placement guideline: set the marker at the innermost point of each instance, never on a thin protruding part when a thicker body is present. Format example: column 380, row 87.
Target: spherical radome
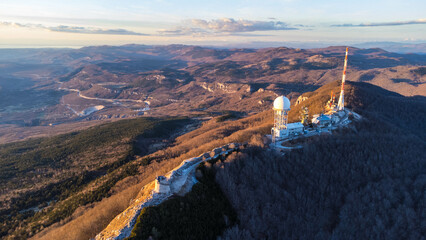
column 282, row 103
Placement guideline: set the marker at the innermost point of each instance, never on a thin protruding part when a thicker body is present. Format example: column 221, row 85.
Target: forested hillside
column 87, row 221
column 202, row 213
column 364, row 182
column 349, row 186
column 45, row 180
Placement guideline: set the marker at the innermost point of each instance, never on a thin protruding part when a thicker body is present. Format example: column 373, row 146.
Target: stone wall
column 178, row 181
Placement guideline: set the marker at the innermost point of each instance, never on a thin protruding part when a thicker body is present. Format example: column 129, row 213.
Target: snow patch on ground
column 91, row 110
column 146, row 108
column 86, row 111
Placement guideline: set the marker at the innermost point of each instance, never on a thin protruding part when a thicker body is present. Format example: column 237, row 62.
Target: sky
column 76, row 23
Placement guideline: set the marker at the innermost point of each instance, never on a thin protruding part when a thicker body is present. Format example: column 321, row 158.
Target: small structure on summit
column 295, row 128
column 334, row 116
column 281, row 108
column 321, row 120
column 282, row 129
column 304, row 115
column 162, row 185
column 331, row 106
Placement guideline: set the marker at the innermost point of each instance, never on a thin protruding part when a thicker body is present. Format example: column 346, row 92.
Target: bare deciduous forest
column 364, row 182
column 335, row 188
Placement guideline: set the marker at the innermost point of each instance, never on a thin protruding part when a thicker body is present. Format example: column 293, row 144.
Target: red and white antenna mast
column 341, row 103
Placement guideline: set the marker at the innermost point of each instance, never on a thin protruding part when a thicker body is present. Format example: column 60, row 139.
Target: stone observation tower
column 281, row 108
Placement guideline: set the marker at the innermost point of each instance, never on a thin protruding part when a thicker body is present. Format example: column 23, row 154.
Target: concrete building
column 321, row 120
column 295, row 128
column 162, row 185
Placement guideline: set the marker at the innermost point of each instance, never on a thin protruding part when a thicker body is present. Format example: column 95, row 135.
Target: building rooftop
column 295, row 125
column 322, row 118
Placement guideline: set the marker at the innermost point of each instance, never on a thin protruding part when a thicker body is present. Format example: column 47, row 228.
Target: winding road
column 79, row 94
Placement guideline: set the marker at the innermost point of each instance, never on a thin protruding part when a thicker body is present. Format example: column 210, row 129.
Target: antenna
column 304, row 114
column 341, row 103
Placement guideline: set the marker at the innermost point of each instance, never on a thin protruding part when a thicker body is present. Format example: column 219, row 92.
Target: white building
column 281, row 128
column 321, row 120
column 295, row 128
column 281, row 108
column 162, row 185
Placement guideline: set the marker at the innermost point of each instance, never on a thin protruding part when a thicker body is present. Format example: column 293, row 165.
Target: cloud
column 71, row 29
column 181, row 31
column 225, row 26
column 419, row 21
column 74, row 29
column 12, row 24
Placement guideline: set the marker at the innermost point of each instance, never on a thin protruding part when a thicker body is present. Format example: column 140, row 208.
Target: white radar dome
column 282, row 103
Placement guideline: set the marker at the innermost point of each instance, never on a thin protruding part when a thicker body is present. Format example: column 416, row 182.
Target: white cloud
column 382, row 24
column 73, row 29
column 225, row 25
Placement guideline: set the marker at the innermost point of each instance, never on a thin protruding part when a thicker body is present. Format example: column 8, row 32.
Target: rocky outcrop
column 300, row 99
column 223, row 87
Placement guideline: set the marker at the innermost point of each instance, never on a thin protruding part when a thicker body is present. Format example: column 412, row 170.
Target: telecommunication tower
column 304, row 115
column 341, row 103
column 331, row 104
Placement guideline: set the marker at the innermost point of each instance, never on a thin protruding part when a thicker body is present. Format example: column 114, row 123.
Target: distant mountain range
column 397, row 47
column 49, row 88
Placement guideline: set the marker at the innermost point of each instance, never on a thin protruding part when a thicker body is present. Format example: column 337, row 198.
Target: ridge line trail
column 181, row 179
